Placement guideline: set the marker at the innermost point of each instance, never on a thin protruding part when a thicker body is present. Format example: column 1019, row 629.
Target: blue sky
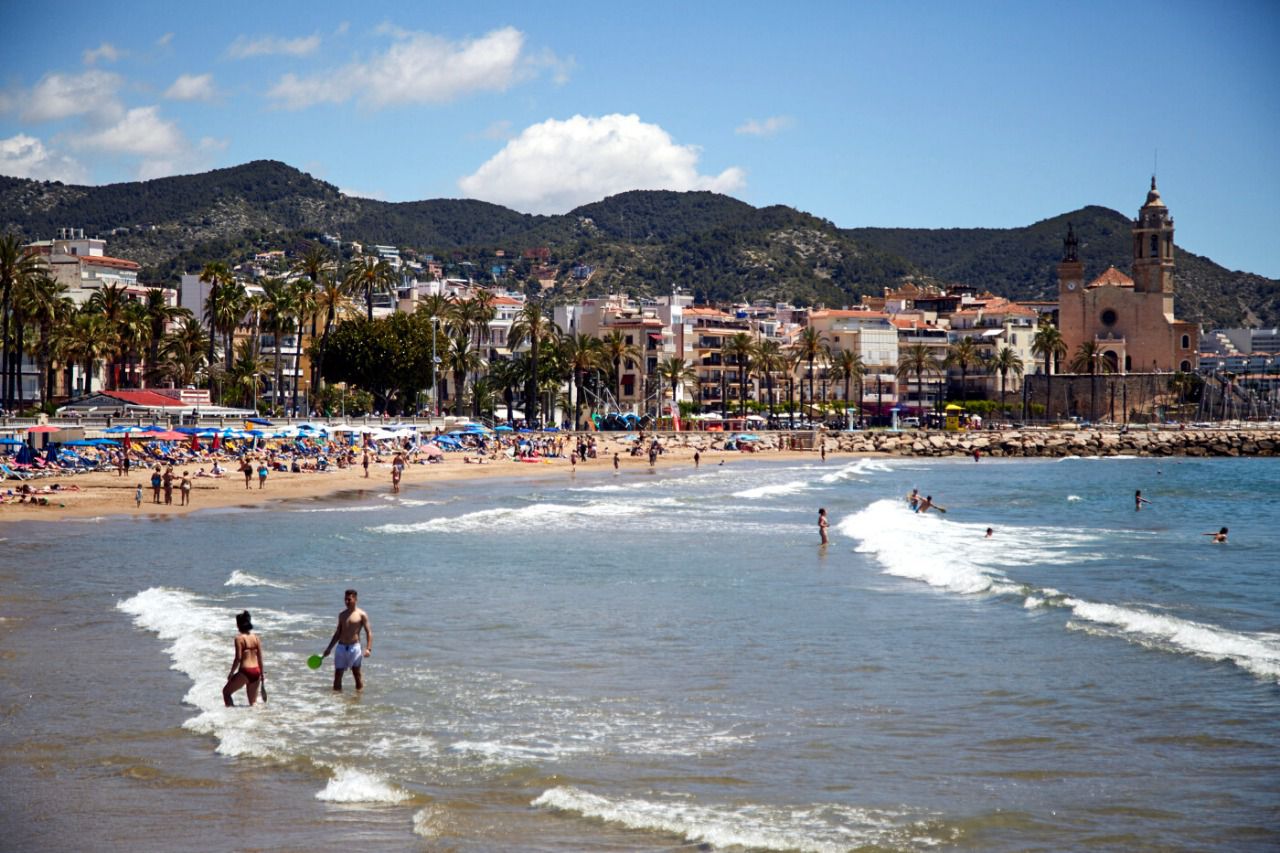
column 987, row 114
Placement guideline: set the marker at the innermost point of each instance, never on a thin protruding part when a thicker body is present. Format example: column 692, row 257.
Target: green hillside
column 642, row 242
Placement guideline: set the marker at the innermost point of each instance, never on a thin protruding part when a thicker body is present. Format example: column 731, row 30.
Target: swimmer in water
column 1218, row 538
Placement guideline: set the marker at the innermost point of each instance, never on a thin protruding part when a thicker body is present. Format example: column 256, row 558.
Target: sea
column 665, row 660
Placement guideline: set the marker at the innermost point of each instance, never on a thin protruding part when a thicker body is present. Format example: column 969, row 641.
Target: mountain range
column 643, row 242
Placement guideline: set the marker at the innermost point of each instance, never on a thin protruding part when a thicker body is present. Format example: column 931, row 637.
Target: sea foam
column 239, row 578
column 350, row 785
column 816, row 828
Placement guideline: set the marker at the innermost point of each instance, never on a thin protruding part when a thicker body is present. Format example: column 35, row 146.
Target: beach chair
column 11, row 474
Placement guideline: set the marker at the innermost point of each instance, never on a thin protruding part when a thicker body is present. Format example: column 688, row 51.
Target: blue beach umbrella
column 503, row 428
column 8, row 439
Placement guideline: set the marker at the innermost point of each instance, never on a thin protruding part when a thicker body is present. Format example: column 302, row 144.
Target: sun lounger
column 10, row 474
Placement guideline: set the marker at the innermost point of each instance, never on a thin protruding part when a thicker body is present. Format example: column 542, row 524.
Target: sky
column 905, row 114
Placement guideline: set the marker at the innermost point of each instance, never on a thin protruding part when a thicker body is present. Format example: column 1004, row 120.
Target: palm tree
column 849, row 368
column 315, row 265
column 581, row 354
column 49, row 307
column 159, row 313
column 183, row 351
column 810, row 347
column 1005, row 362
column 615, row 351
column 461, row 358
column 134, row 331
column 304, row 309
column 278, row 308
column 534, row 327
column 333, row 301
column 217, row 276
column 1091, row 358
column 16, row 265
column 1048, row 343
column 110, row 302
column 246, row 374
column 675, row 370
column 88, row 340
column 504, row 375
column 740, row 348
column 769, row 360
column 224, row 311
column 367, row 275
column 917, row 360
column 964, row 355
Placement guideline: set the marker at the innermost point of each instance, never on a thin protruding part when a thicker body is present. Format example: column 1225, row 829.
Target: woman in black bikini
column 246, row 669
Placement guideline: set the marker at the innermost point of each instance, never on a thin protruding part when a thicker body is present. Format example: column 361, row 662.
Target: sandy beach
column 106, row 493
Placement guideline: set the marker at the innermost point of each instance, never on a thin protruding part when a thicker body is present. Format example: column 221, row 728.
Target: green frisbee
column 314, row 661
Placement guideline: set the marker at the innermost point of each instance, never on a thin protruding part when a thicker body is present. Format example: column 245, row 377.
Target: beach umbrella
column 746, row 436
column 433, row 451
column 8, row 439
column 106, row 442
column 51, row 455
column 552, row 429
column 168, row 435
column 503, row 428
column 25, row 454
column 44, row 428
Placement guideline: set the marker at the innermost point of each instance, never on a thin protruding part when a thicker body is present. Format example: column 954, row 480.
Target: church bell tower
column 1153, row 246
column 1070, row 270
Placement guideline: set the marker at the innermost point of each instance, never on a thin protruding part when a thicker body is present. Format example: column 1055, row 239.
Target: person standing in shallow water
column 823, row 524
column 246, row 667
column 1139, row 500
column 347, row 638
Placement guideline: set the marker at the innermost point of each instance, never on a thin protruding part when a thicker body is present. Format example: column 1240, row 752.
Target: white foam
column 350, row 785
column 921, row 546
column 1258, row 653
column 519, row 518
column 857, row 469
column 772, row 490
column 239, row 578
column 1074, row 498
column 343, row 509
column 816, row 828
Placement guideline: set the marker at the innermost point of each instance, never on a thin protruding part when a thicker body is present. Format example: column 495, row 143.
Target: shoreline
column 107, row 494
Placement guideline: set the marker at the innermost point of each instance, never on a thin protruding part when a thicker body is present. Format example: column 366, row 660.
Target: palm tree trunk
column 18, row 347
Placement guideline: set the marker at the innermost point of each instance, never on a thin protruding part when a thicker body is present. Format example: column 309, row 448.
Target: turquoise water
column 653, row 661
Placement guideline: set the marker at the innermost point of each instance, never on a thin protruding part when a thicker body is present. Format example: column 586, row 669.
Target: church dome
column 1153, row 196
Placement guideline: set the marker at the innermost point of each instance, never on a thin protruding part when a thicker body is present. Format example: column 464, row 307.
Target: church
column 1131, row 320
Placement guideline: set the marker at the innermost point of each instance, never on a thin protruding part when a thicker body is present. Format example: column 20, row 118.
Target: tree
column 368, row 275
column 48, row 308
column 1006, row 361
column 317, row 266
column 964, row 355
column 770, row 359
column 216, row 275
column 86, row 341
column 615, row 351
column 110, row 302
column 809, row 348
column 582, row 354
column 279, row 307
column 849, row 368
column 246, row 374
column 1048, row 344
column 740, row 348
column 534, row 327
column 159, row 314
column 16, row 265
column 675, row 370
column 303, row 296
column 134, row 331
column 461, row 358
column 917, row 360
column 1092, row 359
column 183, row 352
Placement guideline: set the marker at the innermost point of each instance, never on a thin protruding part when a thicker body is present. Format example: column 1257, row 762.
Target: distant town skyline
column 926, row 114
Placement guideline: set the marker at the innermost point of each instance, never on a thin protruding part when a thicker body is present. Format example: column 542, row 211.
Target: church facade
column 1130, row 319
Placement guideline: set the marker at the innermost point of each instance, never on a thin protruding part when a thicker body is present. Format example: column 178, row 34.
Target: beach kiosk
column 953, row 417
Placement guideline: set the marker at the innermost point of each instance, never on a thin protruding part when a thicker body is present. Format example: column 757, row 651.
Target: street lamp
column 435, row 368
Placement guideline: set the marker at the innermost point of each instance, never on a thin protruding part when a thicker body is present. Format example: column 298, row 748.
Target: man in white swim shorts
column 347, row 639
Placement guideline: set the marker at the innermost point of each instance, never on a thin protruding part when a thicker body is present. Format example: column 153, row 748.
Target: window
column 1108, row 317
column 1185, row 367
column 1186, row 342
column 1128, row 364
column 1155, row 245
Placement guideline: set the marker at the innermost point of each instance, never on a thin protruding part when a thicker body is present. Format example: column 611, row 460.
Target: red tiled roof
column 1112, row 278
column 836, row 313
column 145, row 398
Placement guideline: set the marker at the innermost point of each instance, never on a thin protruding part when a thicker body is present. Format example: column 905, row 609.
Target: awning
column 654, row 336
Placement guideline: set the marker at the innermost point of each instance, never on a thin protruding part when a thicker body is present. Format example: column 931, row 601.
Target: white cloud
column 768, row 127
column 555, row 166
column 25, row 156
column 418, row 68
column 376, row 195
column 140, row 131
column 244, row 47
column 500, row 129
column 106, row 51
column 164, row 40
column 59, row 96
column 192, row 87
